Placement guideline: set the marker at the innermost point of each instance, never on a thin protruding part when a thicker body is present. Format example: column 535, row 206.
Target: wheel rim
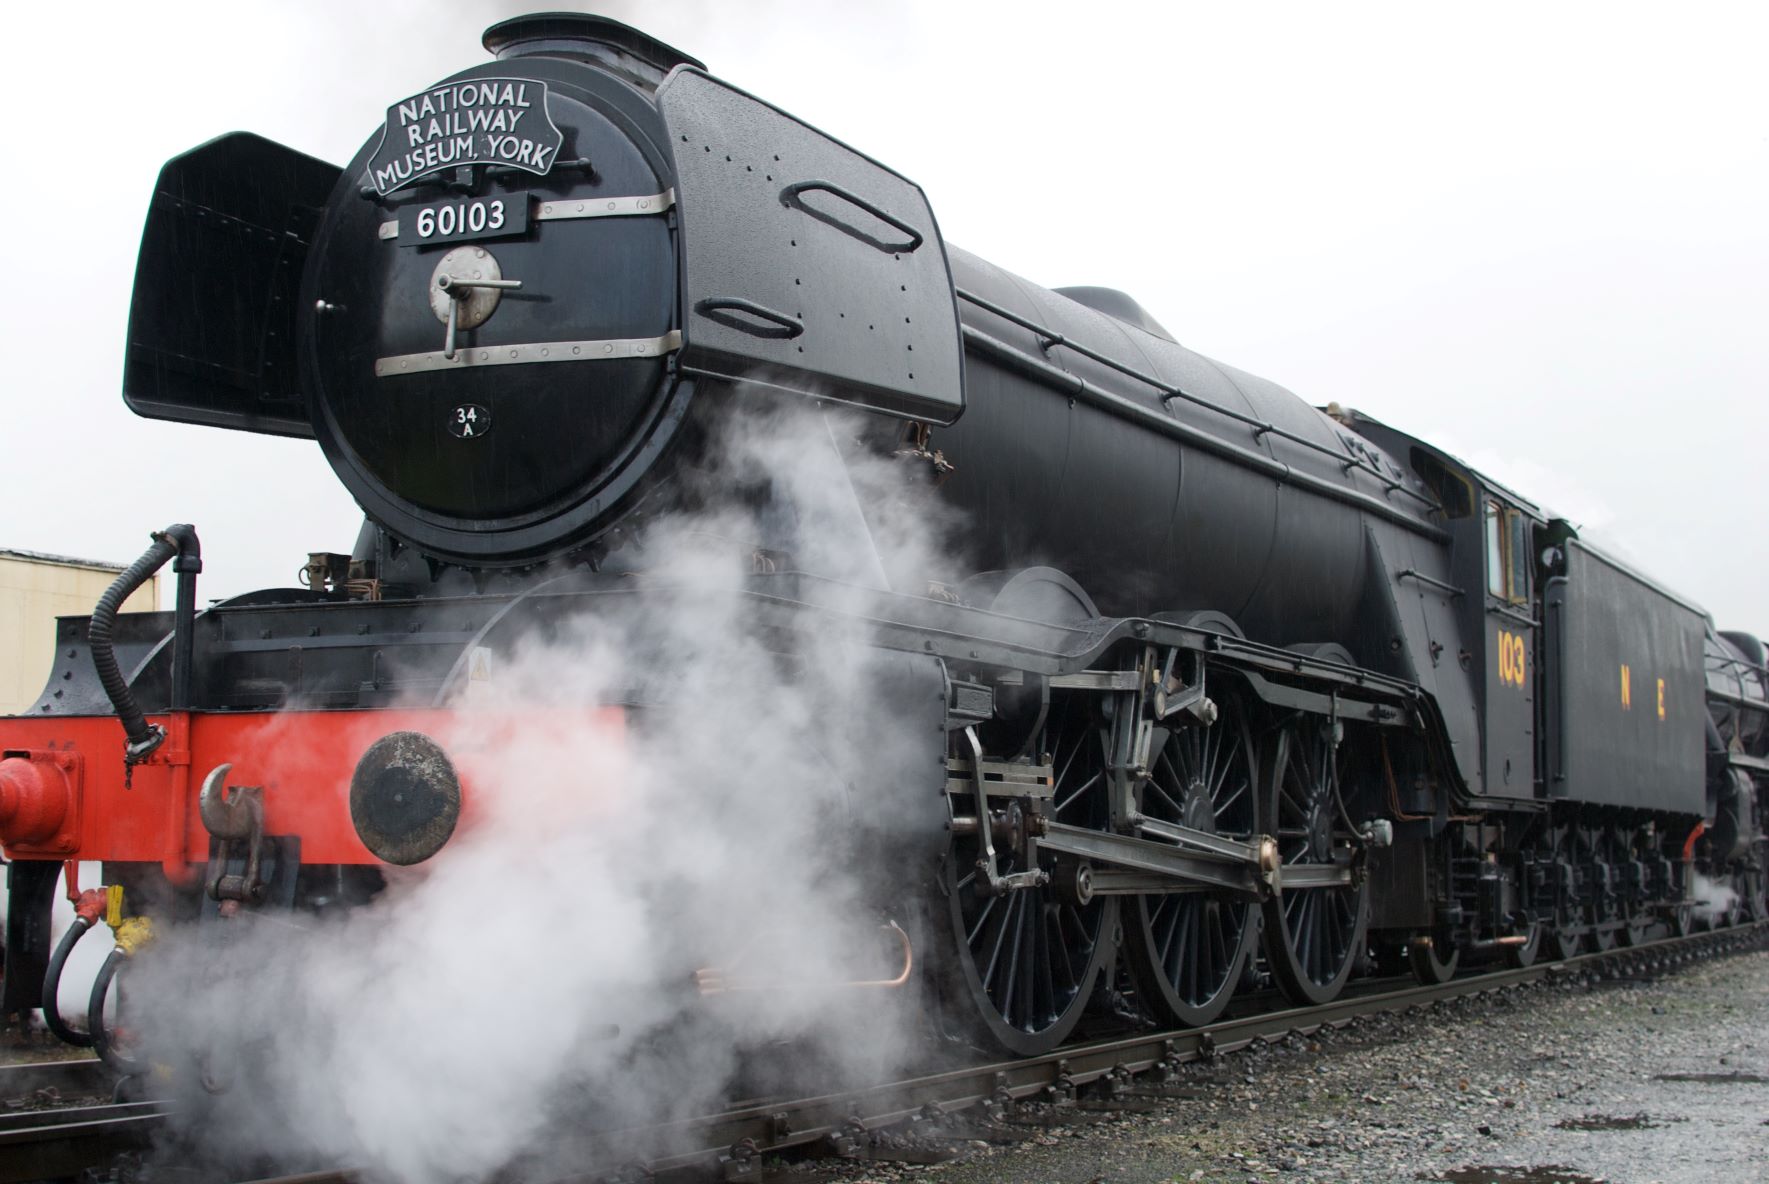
column 1312, row 934
column 1186, row 950
column 1681, row 917
column 1561, row 942
column 1429, row 963
column 1758, row 900
column 1621, row 854
column 1520, row 956
column 1028, row 958
column 1602, row 904
column 1747, row 888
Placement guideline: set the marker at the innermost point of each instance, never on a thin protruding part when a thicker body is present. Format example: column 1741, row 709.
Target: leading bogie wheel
column 1312, row 934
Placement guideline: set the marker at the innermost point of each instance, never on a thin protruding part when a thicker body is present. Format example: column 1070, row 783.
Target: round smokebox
column 404, row 798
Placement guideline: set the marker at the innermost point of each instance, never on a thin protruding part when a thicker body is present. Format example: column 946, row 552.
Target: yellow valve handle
column 133, row 934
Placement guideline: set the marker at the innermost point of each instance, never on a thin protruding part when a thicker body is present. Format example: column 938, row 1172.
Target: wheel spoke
column 1014, row 949
column 1067, row 761
column 1304, row 930
column 1182, row 944
column 1162, row 760
column 1176, row 812
column 1072, row 965
column 1213, row 785
column 1063, row 805
column 1035, row 991
column 988, row 907
column 1001, row 928
column 1298, row 805
column 1209, row 759
column 1220, row 809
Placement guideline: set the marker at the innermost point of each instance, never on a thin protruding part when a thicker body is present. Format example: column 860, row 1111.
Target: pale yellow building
column 34, row 590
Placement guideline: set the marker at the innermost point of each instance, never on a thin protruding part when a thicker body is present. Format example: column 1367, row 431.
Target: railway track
column 885, row 1122
column 60, row 1119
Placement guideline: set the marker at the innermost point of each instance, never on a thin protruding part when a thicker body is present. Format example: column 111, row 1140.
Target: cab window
column 1507, row 554
column 1497, row 583
column 1517, row 553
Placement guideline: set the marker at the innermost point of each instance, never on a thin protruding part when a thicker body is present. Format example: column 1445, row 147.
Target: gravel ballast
column 1626, row 1082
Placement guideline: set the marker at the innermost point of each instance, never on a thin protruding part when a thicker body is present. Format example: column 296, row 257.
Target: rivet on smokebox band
column 404, row 798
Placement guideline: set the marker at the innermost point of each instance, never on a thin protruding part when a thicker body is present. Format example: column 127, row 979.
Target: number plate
column 464, row 218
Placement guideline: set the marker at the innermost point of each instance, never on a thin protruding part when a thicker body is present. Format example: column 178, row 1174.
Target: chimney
column 639, row 58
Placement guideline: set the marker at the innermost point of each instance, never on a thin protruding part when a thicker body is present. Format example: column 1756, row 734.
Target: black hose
column 101, row 1036
column 52, row 984
column 142, row 737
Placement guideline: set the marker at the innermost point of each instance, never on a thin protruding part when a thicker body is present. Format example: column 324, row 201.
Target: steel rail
column 732, row 1144
column 87, row 1075
column 753, row 1131
column 55, row 1144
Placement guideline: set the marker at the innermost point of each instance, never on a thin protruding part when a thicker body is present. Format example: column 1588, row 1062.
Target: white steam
column 1714, row 900
column 541, row 970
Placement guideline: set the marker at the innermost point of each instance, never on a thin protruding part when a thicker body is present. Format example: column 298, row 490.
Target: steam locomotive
column 1223, row 685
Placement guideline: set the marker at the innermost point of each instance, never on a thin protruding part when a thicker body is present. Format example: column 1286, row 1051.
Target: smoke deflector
column 805, row 265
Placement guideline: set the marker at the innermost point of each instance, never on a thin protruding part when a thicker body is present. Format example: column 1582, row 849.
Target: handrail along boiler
column 1261, row 688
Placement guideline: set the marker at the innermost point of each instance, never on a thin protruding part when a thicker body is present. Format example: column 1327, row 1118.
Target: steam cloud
column 540, row 971
column 1714, row 900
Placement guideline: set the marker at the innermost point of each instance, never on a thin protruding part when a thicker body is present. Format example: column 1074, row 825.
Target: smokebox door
column 805, row 265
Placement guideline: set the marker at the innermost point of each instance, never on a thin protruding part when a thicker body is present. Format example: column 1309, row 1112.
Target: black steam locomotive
column 1228, row 685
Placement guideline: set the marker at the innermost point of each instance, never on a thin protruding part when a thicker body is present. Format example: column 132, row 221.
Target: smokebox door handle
column 834, row 214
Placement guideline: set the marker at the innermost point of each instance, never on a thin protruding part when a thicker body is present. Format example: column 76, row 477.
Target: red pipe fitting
column 35, row 799
column 1689, row 843
column 91, row 905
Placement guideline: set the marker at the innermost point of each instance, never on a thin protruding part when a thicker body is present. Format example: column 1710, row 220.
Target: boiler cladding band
column 536, row 351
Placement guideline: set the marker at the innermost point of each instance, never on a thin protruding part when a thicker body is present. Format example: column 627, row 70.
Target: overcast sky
column 1536, row 234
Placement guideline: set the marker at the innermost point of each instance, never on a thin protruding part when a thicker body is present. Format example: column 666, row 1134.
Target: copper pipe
column 712, row 981
column 1689, row 843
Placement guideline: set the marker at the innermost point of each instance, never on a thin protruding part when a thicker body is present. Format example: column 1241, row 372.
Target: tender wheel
column 1680, row 917
column 1519, row 956
column 1619, row 849
column 1561, row 941
column 1433, row 956
column 1312, row 935
column 1028, row 958
column 1749, row 884
column 1185, row 950
column 1602, row 898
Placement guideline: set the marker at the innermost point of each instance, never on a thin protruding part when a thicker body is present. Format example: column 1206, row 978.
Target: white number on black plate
column 468, row 218
column 469, row 421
